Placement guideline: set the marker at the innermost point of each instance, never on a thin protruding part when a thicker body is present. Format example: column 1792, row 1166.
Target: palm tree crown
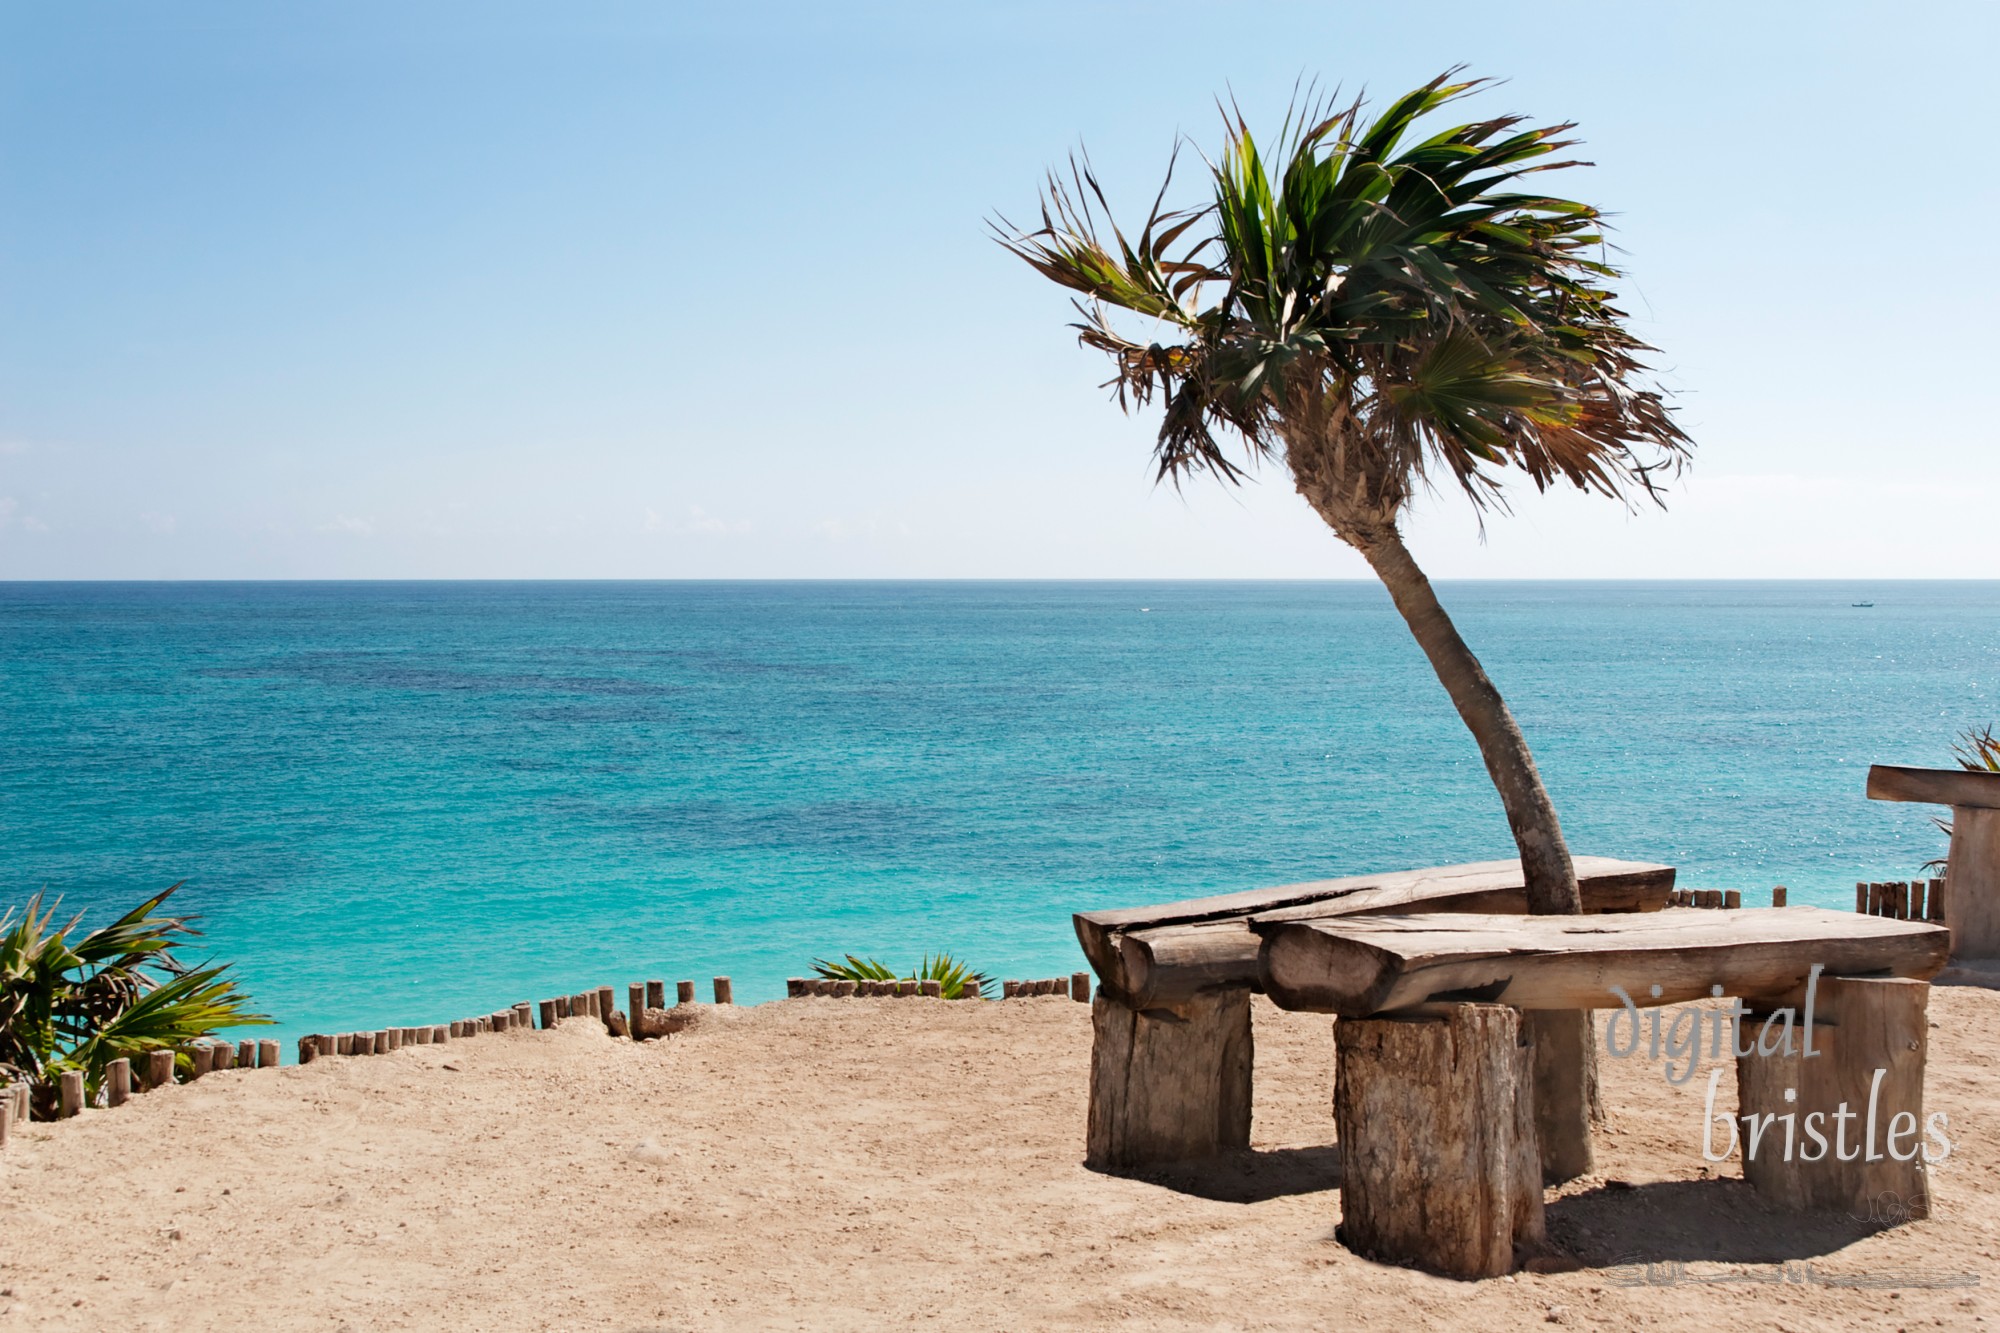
column 1381, row 314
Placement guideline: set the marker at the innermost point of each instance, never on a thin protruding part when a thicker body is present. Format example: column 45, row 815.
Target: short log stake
column 118, row 1082
column 159, row 1069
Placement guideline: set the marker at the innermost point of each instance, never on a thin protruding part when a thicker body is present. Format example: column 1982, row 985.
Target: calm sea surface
column 403, row 803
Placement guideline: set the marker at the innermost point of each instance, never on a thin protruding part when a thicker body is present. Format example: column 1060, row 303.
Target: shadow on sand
column 1710, row 1221
column 1248, row 1175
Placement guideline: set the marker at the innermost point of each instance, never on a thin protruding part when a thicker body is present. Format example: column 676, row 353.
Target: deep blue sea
column 397, row 803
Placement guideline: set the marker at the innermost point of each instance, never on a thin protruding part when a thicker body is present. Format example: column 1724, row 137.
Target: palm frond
column 1382, row 305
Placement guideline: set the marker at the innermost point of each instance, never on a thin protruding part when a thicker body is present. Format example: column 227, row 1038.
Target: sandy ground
column 830, row 1164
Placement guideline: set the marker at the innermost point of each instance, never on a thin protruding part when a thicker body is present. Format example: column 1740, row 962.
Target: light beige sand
column 831, row 1164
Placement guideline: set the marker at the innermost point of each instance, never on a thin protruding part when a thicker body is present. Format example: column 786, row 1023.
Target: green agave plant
column 1978, row 750
column 956, row 979
column 79, row 1001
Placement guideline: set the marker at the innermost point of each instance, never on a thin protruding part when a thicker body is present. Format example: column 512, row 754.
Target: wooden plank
column 1097, row 931
column 1165, row 965
column 1934, row 786
column 1360, row 966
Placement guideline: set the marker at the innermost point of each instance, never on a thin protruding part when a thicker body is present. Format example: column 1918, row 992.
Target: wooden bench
column 1172, row 1056
column 1432, row 1092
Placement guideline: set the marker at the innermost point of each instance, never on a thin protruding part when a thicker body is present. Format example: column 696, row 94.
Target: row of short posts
column 1718, row 897
column 1915, row 900
column 838, row 988
column 208, row 1057
column 120, row 1082
column 645, row 1013
column 1076, row 986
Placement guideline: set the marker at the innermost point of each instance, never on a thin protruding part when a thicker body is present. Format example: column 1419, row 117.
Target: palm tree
column 1380, row 320
column 78, row 1002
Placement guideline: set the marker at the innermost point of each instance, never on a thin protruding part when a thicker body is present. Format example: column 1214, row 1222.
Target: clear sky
column 652, row 290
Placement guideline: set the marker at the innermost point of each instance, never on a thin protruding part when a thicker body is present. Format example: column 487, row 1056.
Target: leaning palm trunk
column 1565, row 1063
column 1545, row 862
column 1388, row 317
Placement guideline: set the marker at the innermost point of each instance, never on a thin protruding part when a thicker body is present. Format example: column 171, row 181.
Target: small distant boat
column 1861, row 603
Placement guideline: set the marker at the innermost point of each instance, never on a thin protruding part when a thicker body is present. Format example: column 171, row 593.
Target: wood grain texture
column 1169, row 1086
column 1169, row 960
column 1934, row 786
column 1360, row 966
column 1859, row 1026
column 1439, row 1166
column 1972, row 903
column 1646, row 884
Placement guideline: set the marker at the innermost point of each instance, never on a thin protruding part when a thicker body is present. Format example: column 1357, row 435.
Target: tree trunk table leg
column 1972, row 893
column 1166, row 1086
column 1439, row 1167
column 1565, row 1089
column 1870, row 1035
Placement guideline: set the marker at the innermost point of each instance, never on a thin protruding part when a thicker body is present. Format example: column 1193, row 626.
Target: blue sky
column 604, row 290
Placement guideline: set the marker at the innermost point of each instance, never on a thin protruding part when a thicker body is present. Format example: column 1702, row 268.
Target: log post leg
column 1972, row 904
column 1870, row 1035
column 1166, row 1086
column 1565, row 1089
column 1436, row 1117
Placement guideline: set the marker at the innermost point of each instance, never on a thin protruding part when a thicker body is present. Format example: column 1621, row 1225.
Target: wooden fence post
column 1079, row 987
column 635, row 1008
column 725, row 992
column 6, row 1114
column 794, row 987
column 159, row 1069
column 267, row 1053
column 117, row 1082
column 548, row 1008
column 683, row 992
column 1778, row 896
column 72, row 1093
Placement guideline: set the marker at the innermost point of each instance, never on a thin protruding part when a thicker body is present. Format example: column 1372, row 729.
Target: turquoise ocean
column 396, row 803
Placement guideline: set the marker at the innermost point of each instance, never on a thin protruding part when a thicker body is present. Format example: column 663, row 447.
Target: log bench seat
column 1432, row 1089
column 1435, row 1090
column 1172, row 1057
